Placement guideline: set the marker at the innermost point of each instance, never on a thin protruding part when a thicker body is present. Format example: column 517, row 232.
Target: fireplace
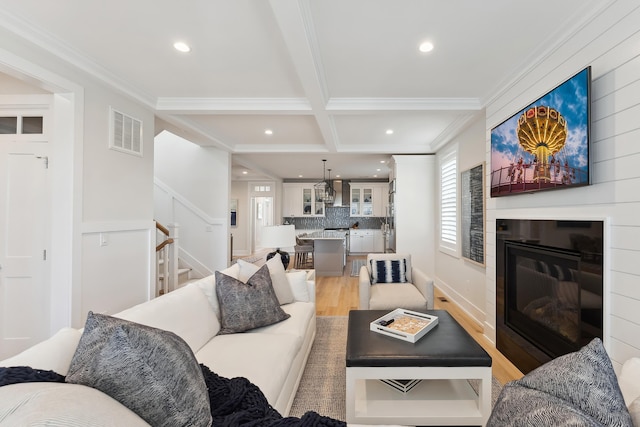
column 549, row 288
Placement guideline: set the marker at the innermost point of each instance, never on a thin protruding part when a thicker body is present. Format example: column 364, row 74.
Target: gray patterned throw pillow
column 578, row 389
column 250, row 305
column 150, row 371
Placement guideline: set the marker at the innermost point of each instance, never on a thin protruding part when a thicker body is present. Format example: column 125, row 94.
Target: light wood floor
column 336, row 296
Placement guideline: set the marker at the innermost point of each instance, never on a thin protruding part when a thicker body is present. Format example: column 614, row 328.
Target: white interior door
column 262, row 216
column 24, row 231
column 262, row 195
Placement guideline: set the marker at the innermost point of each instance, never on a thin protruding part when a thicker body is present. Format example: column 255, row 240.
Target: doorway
column 262, row 196
column 24, row 236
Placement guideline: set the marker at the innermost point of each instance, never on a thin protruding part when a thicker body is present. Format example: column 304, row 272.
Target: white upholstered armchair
column 387, row 282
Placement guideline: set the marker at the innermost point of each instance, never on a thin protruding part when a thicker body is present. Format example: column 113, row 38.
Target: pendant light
column 324, row 187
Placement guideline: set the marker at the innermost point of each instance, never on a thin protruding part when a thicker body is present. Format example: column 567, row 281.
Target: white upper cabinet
column 368, row 199
column 292, row 199
column 302, row 200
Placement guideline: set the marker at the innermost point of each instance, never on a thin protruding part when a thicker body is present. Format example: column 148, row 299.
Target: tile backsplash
column 335, row 217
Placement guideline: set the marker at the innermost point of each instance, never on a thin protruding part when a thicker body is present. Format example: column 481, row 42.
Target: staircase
column 184, row 276
column 171, row 272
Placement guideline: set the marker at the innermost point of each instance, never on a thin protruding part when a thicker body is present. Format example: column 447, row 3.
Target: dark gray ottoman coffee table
column 444, row 359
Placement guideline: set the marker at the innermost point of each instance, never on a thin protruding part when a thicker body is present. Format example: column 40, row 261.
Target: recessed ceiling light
column 182, row 47
column 378, row 170
column 268, row 132
column 375, row 176
column 244, row 172
column 389, row 132
column 426, row 47
column 299, row 176
column 383, row 161
column 338, row 176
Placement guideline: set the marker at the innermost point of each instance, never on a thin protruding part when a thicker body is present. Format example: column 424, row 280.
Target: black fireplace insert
column 549, row 288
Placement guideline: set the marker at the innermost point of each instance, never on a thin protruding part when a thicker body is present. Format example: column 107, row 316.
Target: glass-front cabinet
column 367, row 199
column 312, row 203
column 355, row 201
column 302, row 200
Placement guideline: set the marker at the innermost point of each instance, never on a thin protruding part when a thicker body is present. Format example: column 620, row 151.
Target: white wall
column 200, row 174
column 610, row 43
column 415, row 192
column 94, row 189
column 193, row 191
column 460, row 279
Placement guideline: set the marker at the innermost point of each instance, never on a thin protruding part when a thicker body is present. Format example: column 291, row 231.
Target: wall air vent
column 125, row 133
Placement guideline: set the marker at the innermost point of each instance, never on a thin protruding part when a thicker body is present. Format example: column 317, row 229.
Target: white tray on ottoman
column 420, row 324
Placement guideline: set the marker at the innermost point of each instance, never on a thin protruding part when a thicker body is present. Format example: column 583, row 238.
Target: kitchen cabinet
column 302, row 200
column 368, row 199
column 378, row 241
column 366, row 241
column 291, row 199
column 312, row 203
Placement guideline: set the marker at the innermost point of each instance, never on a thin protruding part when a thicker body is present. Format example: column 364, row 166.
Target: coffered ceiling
column 329, row 78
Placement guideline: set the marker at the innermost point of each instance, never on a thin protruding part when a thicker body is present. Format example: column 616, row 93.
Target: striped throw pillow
column 388, row 271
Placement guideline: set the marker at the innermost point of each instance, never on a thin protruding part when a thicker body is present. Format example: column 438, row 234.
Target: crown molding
column 336, row 105
column 280, row 148
column 233, row 105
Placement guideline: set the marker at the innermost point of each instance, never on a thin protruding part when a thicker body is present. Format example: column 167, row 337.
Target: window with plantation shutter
column 448, row 203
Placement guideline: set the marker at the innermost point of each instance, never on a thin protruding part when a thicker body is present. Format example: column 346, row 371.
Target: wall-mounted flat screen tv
column 545, row 146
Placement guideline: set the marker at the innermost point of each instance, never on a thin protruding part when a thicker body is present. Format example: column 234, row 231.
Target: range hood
column 341, row 188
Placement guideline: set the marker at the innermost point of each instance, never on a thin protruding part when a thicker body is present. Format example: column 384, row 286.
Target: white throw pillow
column 208, row 286
column 298, row 285
column 247, row 270
column 629, row 380
column 278, row 277
column 634, row 410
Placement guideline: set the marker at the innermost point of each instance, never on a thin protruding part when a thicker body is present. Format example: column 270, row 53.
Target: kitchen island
column 329, row 251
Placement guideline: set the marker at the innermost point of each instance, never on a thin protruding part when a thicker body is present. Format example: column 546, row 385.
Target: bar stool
column 303, row 254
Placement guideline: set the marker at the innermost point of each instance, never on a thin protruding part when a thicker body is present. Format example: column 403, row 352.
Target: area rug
column 355, row 267
column 323, row 383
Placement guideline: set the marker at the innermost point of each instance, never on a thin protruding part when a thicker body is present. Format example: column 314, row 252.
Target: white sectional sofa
column 272, row 357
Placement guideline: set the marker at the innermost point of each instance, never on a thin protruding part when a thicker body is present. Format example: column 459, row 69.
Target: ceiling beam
column 296, row 27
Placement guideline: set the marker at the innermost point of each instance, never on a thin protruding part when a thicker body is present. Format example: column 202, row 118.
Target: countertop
column 326, row 235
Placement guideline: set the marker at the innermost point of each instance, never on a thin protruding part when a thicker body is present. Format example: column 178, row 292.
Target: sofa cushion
column 278, row 277
column 578, row 388
column 245, row 306
column 150, row 371
column 400, row 295
column 186, row 312
column 297, row 325
column 239, row 355
column 388, row 271
column 60, row 404
column 53, row 354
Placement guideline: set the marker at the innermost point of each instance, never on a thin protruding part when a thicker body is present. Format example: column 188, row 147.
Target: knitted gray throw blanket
column 234, row 402
column 238, row 402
